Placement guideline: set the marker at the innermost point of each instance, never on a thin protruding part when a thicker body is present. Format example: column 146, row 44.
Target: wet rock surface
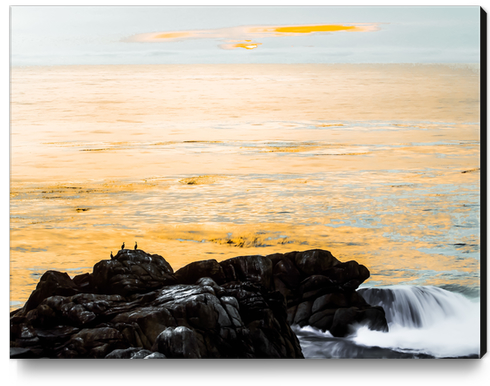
column 321, row 292
column 134, row 306
column 130, row 272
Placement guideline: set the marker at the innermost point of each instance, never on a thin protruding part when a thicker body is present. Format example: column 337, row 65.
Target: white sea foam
column 426, row 320
column 423, row 321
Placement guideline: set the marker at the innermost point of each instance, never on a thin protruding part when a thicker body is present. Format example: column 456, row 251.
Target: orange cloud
column 242, row 37
column 308, row 29
column 247, row 44
column 173, row 35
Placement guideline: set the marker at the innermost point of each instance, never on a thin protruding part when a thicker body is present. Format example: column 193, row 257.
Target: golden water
column 376, row 163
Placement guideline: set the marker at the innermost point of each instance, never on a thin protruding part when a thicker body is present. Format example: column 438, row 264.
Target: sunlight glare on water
column 375, row 163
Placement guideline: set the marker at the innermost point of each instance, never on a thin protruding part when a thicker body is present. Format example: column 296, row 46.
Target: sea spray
column 424, row 319
column 417, row 306
column 424, row 322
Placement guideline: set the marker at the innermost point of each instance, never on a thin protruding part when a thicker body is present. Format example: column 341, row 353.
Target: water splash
column 417, row 306
column 424, row 322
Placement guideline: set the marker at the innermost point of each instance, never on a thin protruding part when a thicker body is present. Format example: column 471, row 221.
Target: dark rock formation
column 130, row 272
column 321, row 292
column 51, row 283
column 205, row 268
column 134, row 353
column 134, row 306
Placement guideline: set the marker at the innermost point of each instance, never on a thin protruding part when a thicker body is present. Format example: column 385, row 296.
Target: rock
column 335, row 300
column 93, row 343
column 315, row 261
column 315, row 282
column 265, row 321
column 84, row 282
column 154, row 355
column 345, row 318
column 198, row 269
column 51, row 283
column 134, row 353
column 316, row 285
column 134, row 306
column 131, row 272
column 286, row 271
column 180, row 342
column 208, row 282
column 303, row 313
column 143, row 324
column 343, row 273
column 192, row 312
column 375, row 319
column 230, row 304
column 254, row 269
column 322, row 319
column 22, row 353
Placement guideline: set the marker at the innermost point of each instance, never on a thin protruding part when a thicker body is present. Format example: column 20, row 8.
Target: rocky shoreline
column 136, row 306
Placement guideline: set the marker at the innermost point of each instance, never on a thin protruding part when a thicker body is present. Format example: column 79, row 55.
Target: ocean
column 378, row 163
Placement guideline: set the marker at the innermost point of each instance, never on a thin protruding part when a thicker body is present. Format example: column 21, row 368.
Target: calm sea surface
column 375, row 163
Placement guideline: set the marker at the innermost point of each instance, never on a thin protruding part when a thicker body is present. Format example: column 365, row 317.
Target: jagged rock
column 84, row 282
column 314, row 262
column 345, row 318
column 51, row 283
column 254, row 269
column 188, row 311
column 264, row 316
column 303, row 313
column 198, row 269
column 130, row 272
column 134, row 353
column 314, row 283
column 322, row 319
column 93, row 343
column 22, row 353
column 181, row 342
column 347, row 273
column 134, row 306
column 286, row 271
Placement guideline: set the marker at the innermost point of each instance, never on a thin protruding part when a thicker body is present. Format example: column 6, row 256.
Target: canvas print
column 246, row 182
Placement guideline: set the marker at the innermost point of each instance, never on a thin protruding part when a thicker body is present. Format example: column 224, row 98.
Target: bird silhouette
column 135, row 245
column 122, row 246
column 111, row 256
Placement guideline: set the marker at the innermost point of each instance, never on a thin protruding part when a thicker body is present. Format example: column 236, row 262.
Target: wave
column 417, row 306
column 424, row 322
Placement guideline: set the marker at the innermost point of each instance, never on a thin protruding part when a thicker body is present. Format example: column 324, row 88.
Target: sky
column 71, row 35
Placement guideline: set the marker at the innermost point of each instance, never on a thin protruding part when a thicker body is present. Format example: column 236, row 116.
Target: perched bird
column 122, row 246
column 135, row 245
column 111, row 256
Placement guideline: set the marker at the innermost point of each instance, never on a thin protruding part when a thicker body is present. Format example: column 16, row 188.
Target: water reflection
column 106, row 156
